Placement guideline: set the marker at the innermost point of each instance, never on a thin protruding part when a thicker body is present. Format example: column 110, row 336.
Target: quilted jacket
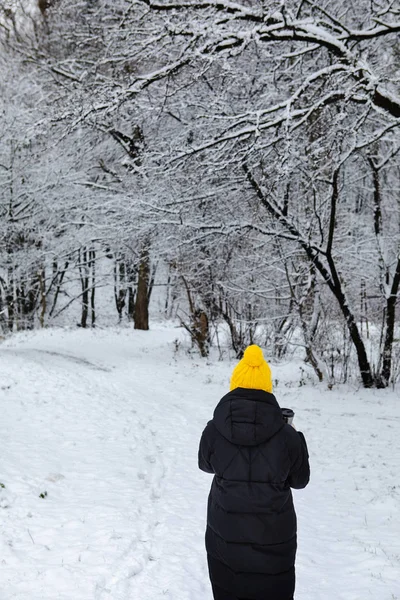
column 251, row 522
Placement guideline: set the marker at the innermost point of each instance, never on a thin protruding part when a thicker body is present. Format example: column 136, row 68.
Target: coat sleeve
column 299, row 474
column 205, row 449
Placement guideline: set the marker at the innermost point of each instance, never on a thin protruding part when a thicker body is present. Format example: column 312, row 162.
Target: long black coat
column 251, row 523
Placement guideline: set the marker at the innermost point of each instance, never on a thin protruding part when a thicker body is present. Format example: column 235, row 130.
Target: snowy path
column 108, row 424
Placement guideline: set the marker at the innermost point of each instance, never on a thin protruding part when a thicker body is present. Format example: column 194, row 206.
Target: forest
column 240, row 160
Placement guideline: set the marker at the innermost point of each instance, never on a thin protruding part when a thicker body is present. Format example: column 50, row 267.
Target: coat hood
column 248, row 417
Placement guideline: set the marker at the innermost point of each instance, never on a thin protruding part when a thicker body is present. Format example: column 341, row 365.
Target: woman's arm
column 299, row 474
column 205, row 449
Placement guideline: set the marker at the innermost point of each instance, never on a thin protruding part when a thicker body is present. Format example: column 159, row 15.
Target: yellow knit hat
column 252, row 372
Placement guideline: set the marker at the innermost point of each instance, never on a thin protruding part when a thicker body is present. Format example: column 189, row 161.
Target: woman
column 256, row 458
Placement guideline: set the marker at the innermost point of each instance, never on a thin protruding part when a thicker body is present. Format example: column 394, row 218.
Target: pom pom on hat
column 252, row 372
column 253, row 356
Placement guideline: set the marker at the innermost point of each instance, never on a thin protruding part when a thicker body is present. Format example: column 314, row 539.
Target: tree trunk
column 198, row 326
column 2, row 305
column 201, row 332
column 92, row 258
column 236, row 339
column 363, row 362
column 120, row 289
column 10, row 300
column 84, row 276
column 141, row 316
column 58, row 279
column 167, row 295
column 384, row 378
column 131, row 303
column 43, row 297
column 131, row 271
column 389, row 314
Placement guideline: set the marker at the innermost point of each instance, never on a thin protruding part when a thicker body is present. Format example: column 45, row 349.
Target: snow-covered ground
column 107, row 424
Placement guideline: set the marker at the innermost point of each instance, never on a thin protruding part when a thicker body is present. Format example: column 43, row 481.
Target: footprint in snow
column 55, row 477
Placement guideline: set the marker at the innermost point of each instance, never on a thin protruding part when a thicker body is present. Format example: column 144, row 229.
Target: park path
column 106, row 426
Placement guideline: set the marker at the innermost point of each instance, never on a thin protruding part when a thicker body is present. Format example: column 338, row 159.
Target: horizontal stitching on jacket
column 242, row 512
column 252, row 481
column 252, row 572
column 251, row 543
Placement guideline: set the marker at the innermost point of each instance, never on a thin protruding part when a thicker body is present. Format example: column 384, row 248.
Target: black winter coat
column 251, row 523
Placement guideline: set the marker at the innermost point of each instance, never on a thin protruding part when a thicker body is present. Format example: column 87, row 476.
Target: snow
column 107, row 423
